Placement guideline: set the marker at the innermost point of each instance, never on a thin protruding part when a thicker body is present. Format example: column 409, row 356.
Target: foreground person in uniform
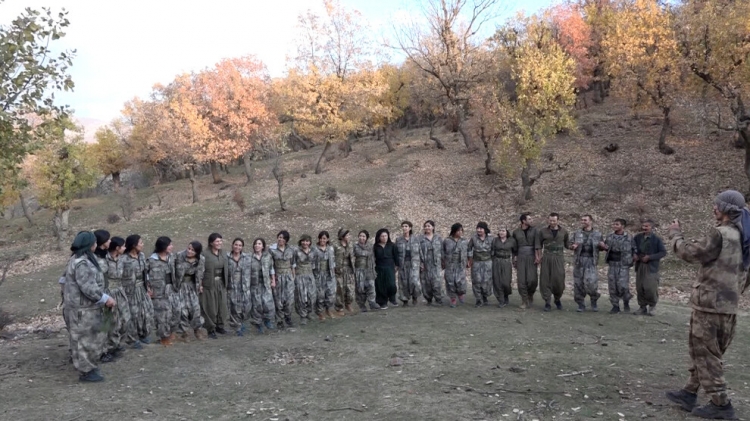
column 724, row 257
column 83, row 299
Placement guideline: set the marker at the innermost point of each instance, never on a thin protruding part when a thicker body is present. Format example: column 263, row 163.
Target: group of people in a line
column 113, row 294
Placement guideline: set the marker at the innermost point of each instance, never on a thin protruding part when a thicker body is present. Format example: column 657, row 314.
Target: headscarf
column 732, row 203
column 82, row 246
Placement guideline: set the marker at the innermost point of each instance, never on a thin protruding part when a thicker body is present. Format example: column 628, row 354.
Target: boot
column 453, row 303
column 117, row 352
column 558, row 304
column 461, row 298
column 524, row 303
column 221, row 331
column 682, row 397
column 581, row 308
column 478, row 304
column 107, row 358
column 615, row 310
column 594, row 308
column 405, row 303
column 651, row 310
column 303, row 321
column 531, row 300
column 330, row 314
column 136, row 345
column 626, row 306
column 641, row 311
column 414, row 302
column 268, row 324
column 91, row 377
column 485, row 301
column 712, row 411
column 349, row 309
column 288, row 322
column 166, row 341
column 375, row 306
column 547, row 306
column 201, row 334
column 321, row 317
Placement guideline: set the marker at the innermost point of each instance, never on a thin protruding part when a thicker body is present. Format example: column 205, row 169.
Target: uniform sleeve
column 338, row 258
column 294, row 258
column 246, row 273
column 331, row 255
column 86, row 280
column 267, row 268
column 661, row 251
column 470, row 248
column 705, row 250
column 396, row 258
column 200, row 271
column 566, row 238
column 538, row 240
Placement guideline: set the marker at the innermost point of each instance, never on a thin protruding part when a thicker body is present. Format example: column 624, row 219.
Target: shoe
column 172, row 337
column 594, row 308
column 547, row 306
column 626, row 306
column 239, row 333
column 524, row 303
column 349, row 309
column 682, row 397
column 651, row 311
column 221, row 331
column 558, row 304
column 405, row 303
column 303, row 322
column 531, row 300
column 330, row 314
column 461, row 299
column 581, row 308
column 288, row 322
column 375, row 306
column 107, row 358
column 185, row 337
column 712, row 411
column 145, row 340
column 428, row 303
column 259, row 329
column 394, row 303
column 212, row 335
column 363, row 309
column 339, row 313
column 615, row 310
column 501, row 304
column 321, row 317
column 117, row 352
column 478, row 304
column 641, row 311
column 91, row 377
column 167, row 341
column 137, row 345
column 243, row 328
column 268, row 324
column 438, row 303
column 485, row 301
column 415, row 301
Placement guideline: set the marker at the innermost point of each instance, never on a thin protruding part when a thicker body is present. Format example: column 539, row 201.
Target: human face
column 503, row 234
column 170, row 248
column 190, row 251
column 405, row 228
column 586, row 222
column 553, row 221
column 305, row 244
column 617, row 227
column 105, row 246
column 646, row 228
column 348, row 237
column 237, row 247
column 428, row 229
column 120, row 250
column 459, row 233
column 323, row 241
column 258, row 246
column 93, row 247
column 281, row 240
column 139, row 246
column 383, row 238
column 480, row 232
column 717, row 214
column 217, row 244
column 362, row 238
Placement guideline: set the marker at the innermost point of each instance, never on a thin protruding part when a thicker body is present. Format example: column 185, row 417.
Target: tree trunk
column 25, row 209
column 526, row 184
column 438, row 142
column 61, row 226
column 116, row 181
column 248, row 166
column 387, row 140
column 380, row 135
column 279, row 176
column 488, row 161
column 468, row 141
column 215, row 172
column 226, row 169
column 319, row 166
column 193, row 188
column 666, row 127
column 347, row 146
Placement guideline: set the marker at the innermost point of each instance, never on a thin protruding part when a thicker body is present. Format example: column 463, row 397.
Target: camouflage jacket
column 325, row 259
column 478, row 249
column 344, row 257
column 455, row 252
column 283, row 259
column 160, row 274
column 407, row 248
column 134, row 270
column 239, row 271
column 305, row 262
column 504, row 249
column 720, row 255
column 592, row 240
column 260, row 270
column 113, row 276
column 363, row 254
column 622, row 244
column 547, row 241
column 189, row 271
column 435, row 246
column 83, row 285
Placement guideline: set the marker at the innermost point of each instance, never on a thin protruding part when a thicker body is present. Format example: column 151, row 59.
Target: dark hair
column 161, row 244
column 380, row 232
column 483, row 225
column 213, row 237
column 322, row 233
column 304, row 237
column 410, row 226
column 507, row 233
column 648, row 221
column 285, row 234
column 262, row 241
column 367, row 234
column 102, row 236
column 524, row 216
column 591, row 218
column 455, row 228
column 622, row 221
column 197, row 247
column 115, row 243
column 131, row 242
column 554, row 215
column 429, row 221
column 240, row 240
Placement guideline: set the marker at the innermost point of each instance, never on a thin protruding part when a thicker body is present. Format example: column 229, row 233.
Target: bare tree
column 278, row 174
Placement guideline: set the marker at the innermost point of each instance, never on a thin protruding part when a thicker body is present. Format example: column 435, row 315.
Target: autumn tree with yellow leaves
column 110, row 151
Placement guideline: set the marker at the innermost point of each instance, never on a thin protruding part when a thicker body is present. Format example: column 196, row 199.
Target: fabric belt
column 360, row 262
column 526, row 251
column 304, row 269
column 219, row 278
column 614, row 255
column 283, row 264
column 502, row 256
column 323, row 265
column 115, row 283
column 586, row 254
column 482, row 257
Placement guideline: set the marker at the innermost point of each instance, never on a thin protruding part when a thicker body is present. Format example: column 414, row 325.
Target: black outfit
column 385, row 270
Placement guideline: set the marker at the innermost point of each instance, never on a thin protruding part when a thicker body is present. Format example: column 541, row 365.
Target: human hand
column 645, row 259
column 110, row 302
column 675, row 225
column 574, row 246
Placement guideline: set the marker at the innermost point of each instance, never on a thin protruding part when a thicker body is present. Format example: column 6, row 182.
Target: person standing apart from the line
column 619, row 258
column 648, row 251
column 215, row 283
column 586, row 244
column 479, row 254
column 408, row 265
column 525, row 260
column 724, row 256
column 455, row 262
column 552, row 241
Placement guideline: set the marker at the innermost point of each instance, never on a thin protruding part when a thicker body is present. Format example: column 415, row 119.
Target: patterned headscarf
column 732, row 203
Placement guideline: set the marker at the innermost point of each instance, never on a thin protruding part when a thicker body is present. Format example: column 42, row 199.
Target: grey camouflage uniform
column 585, row 276
column 480, row 253
column 345, row 286
column 283, row 292
column 430, row 266
column 239, row 295
column 408, row 268
column 364, row 274
column 305, row 285
column 619, row 257
column 262, row 307
column 189, row 276
column 455, row 259
column 325, row 276
column 134, row 282
column 165, row 298
column 121, row 312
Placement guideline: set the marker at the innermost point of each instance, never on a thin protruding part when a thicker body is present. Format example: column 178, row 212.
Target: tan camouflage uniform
column 283, row 293
column 480, row 253
column 325, row 275
column 165, row 298
column 134, row 282
column 430, row 266
column 344, row 275
column 455, row 258
column 408, row 268
column 189, row 276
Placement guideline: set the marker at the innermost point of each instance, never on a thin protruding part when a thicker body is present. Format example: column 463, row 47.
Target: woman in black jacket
column 386, row 256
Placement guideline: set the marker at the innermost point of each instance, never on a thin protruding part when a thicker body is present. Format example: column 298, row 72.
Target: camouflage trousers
column 239, row 305
column 408, row 283
column 646, row 286
column 552, row 279
column 326, row 286
column 710, row 336
column 283, row 297
column 364, row 287
column 502, row 276
column 267, row 307
column 119, row 331
column 618, row 278
column 585, row 280
column 190, row 311
column 87, row 337
column 141, row 312
column 432, row 284
column 481, row 279
column 167, row 311
column 526, row 276
column 344, row 288
column 305, row 294
column 455, row 280
column 254, row 314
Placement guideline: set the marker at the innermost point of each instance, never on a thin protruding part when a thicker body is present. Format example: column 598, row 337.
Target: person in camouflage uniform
column 83, row 298
column 325, row 277
column 503, row 248
column 408, row 265
column 430, row 264
column 239, row 295
column 165, row 297
column 619, row 257
column 113, row 288
column 479, row 254
column 525, row 260
column 364, row 273
column 216, row 282
column 552, row 241
column 136, row 286
column 344, row 270
column 103, row 241
column 282, row 277
column 586, row 243
column 306, row 291
column 455, row 261
column 262, row 309
column 648, row 251
column 190, row 267
column 724, row 256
